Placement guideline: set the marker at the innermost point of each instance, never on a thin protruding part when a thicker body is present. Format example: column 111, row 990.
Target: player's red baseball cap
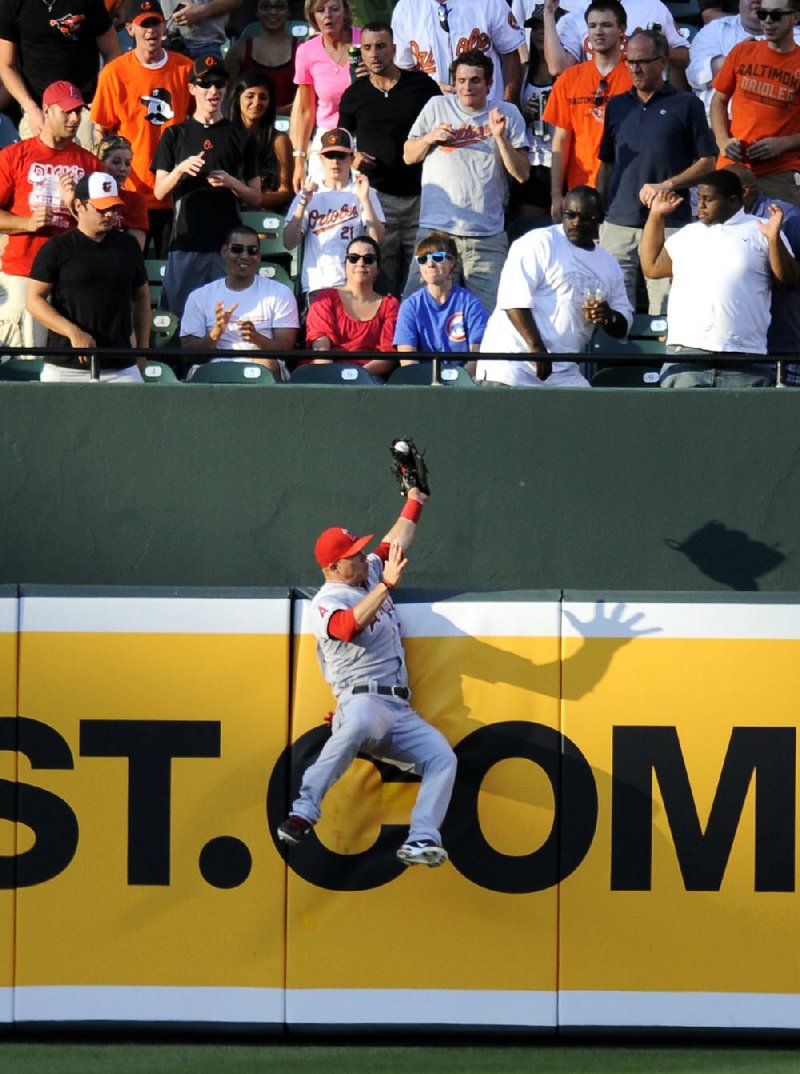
column 335, row 543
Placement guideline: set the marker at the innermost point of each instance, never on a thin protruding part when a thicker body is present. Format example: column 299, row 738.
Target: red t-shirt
column 328, row 317
column 29, row 177
column 133, row 214
column 578, row 104
column 763, row 86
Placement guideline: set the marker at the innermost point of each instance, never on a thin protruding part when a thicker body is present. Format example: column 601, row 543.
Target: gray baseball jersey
column 376, row 653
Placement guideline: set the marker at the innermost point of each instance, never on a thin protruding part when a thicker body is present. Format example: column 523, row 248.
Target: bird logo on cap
column 107, row 187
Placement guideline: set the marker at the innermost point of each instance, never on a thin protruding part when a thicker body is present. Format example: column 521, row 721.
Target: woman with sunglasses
column 252, row 106
column 355, row 317
column 441, row 316
column 270, row 52
column 322, row 73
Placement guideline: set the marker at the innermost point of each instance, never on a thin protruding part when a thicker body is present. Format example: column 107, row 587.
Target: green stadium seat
column 452, row 376
column 164, row 329
column 276, row 272
column 626, row 376
column 248, row 373
column 156, row 372
column 21, row 368
column 332, row 374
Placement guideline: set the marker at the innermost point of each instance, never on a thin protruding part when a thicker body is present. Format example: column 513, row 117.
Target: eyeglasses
column 576, row 214
column 211, row 83
column 600, row 92
column 772, row 16
column 441, row 11
column 644, row 63
column 240, row 248
column 438, row 256
column 368, row 259
column 336, row 156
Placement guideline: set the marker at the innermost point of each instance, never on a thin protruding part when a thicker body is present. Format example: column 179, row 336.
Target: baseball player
column 362, row 658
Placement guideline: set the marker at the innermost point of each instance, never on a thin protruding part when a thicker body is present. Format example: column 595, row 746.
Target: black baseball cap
column 205, row 66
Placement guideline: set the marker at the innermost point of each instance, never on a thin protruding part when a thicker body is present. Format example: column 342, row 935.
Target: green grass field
column 71, row 1058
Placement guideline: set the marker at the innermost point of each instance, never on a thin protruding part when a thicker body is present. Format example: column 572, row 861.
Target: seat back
column 450, row 376
column 331, row 374
column 21, row 368
column 156, row 372
column 164, row 329
column 232, row 373
column 626, row 376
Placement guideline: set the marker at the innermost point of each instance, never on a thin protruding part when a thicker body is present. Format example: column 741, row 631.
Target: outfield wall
column 210, row 485
column 622, row 833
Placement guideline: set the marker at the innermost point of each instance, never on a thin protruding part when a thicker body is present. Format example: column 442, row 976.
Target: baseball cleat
column 422, row 852
column 293, row 829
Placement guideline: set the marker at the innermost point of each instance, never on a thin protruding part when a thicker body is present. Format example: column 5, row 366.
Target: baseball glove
column 408, row 466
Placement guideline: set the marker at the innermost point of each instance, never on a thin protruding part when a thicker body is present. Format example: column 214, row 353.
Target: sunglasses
column 772, row 16
column 643, row 63
column 240, row 248
column 211, row 83
column 441, row 11
column 368, row 259
column 600, row 92
column 336, row 156
column 437, row 257
column 575, row 214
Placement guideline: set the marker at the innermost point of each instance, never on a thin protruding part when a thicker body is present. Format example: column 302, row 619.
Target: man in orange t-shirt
column 139, row 95
column 761, row 80
column 577, row 103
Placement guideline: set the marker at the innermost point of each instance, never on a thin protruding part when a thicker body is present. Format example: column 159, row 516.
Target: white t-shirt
column 421, row 41
column 268, row 304
column 721, row 286
column 549, row 275
column 331, row 219
column 465, row 183
column 641, row 13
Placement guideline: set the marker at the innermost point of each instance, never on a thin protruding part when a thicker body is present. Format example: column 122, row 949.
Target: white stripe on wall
column 154, row 615
column 446, row 619
column 8, row 615
column 695, row 1010
column 108, row 1003
column 407, row 1006
column 687, row 620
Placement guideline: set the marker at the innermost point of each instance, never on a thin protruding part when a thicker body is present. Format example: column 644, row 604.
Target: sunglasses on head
column 441, row 11
column 773, row 16
column 211, row 83
column 240, row 248
column 438, row 256
column 368, row 259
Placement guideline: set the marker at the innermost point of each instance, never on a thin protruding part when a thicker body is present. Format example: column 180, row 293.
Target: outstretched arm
column 405, row 528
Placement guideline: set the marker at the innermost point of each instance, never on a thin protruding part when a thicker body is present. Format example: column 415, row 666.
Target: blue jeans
column 677, row 375
column 186, row 271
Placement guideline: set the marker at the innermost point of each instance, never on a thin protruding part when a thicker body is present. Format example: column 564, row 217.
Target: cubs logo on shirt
column 455, row 327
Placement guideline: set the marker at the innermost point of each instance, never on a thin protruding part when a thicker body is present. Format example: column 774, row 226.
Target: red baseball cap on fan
column 336, row 543
column 64, row 94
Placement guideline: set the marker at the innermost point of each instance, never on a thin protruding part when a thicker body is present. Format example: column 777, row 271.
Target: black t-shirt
column 55, row 41
column 381, row 122
column 205, row 214
column 93, row 283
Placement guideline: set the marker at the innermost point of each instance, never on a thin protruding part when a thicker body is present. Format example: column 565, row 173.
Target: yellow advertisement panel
column 149, row 725
column 8, row 735
column 371, row 941
column 684, row 909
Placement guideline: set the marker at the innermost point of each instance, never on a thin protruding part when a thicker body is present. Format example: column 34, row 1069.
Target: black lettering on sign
column 766, row 753
column 53, row 822
column 149, row 746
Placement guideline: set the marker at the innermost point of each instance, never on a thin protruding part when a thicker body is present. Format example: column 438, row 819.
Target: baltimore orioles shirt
column 465, row 183
column 55, row 40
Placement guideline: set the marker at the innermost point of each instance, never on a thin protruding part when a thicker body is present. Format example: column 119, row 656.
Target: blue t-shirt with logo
column 426, row 326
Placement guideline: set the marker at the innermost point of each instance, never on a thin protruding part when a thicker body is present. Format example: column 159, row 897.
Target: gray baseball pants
column 388, row 729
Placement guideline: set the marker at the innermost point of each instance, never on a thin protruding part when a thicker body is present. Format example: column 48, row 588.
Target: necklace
column 338, row 54
column 49, row 4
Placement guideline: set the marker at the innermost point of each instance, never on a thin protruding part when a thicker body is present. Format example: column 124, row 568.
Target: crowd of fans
column 630, row 164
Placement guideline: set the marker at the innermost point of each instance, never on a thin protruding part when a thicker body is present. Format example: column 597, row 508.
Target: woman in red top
column 116, row 154
column 270, row 52
column 355, row 317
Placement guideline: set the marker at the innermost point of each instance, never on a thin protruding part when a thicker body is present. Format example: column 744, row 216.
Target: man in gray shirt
column 467, row 152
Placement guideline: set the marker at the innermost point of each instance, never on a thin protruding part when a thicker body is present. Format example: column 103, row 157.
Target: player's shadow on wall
column 728, row 556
